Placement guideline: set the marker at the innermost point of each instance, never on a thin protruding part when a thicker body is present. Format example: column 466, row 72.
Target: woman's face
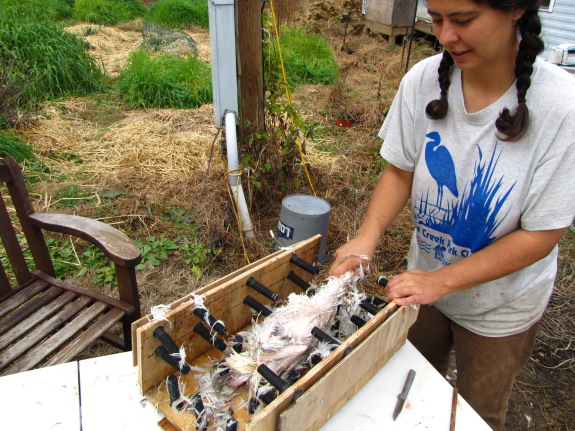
column 476, row 35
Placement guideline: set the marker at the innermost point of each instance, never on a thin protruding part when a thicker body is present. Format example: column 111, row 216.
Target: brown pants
column 486, row 366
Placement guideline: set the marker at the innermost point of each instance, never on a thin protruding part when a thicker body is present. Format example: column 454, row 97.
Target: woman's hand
column 351, row 255
column 415, row 287
column 502, row 257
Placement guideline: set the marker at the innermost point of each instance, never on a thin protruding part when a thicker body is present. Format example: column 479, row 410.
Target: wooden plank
column 146, row 319
column 344, row 380
column 12, row 246
column 388, row 30
column 48, row 305
column 250, row 66
column 5, row 286
column 394, row 13
column 225, row 302
column 268, row 418
column 41, row 332
column 20, row 297
column 97, row 296
column 89, row 335
column 41, row 351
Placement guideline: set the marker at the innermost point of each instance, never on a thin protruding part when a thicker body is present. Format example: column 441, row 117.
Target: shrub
column 48, row 61
column 108, row 12
column 308, row 58
column 165, row 81
column 179, row 13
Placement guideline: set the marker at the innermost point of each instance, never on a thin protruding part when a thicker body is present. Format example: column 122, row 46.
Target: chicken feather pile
column 282, row 341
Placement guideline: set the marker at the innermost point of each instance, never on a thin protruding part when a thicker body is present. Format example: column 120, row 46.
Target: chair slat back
column 5, row 287
column 11, row 176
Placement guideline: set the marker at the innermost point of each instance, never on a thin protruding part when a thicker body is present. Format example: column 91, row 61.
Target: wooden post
column 250, row 66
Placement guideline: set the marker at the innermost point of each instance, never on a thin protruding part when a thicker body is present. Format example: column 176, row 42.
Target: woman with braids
column 481, row 141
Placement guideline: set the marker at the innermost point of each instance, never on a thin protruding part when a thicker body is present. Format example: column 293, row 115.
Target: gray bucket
column 301, row 217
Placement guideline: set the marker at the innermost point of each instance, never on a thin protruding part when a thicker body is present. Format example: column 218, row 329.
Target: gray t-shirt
column 471, row 188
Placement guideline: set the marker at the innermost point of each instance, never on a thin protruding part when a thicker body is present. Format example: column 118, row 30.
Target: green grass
column 48, row 62
column 108, row 12
column 12, row 145
column 165, row 81
column 308, row 58
column 36, row 10
column 179, row 13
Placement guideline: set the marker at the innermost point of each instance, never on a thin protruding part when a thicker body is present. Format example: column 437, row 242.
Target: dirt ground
column 168, row 158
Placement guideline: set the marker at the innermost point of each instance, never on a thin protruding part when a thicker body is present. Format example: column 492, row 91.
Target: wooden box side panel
column 379, row 11
column 200, row 291
column 225, row 302
column 393, row 13
column 344, row 380
column 269, row 417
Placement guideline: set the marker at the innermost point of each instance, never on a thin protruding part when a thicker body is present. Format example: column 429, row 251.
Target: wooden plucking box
column 326, row 387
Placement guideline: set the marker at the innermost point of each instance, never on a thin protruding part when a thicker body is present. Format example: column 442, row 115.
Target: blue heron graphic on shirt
column 441, row 166
column 468, row 222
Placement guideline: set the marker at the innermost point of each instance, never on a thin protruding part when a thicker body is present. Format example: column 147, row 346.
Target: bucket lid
column 306, row 204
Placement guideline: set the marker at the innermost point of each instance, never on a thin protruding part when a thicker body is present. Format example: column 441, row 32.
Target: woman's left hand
column 415, row 287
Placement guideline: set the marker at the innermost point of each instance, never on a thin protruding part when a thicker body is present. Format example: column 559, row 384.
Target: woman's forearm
column 388, row 199
column 505, row 256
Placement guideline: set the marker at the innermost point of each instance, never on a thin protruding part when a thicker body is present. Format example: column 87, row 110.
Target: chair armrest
column 117, row 246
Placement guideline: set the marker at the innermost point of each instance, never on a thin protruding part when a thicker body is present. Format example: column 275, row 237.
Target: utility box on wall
column 391, row 17
column 222, row 21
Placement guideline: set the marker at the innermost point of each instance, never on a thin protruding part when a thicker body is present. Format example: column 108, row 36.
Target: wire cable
column 299, row 145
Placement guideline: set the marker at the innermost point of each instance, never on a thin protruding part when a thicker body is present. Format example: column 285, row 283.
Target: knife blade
column 403, row 395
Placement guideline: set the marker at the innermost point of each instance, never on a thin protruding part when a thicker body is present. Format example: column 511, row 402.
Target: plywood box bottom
column 321, row 391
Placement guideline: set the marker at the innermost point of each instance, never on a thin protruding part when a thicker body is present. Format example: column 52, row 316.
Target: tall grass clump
column 108, row 12
column 48, row 61
column 165, row 81
column 12, row 145
column 36, row 10
column 308, row 58
column 179, row 13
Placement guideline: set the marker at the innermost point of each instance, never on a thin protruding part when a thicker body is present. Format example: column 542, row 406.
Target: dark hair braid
column 437, row 109
column 515, row 126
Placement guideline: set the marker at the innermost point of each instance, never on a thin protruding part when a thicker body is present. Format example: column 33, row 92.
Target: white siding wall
column 558, row 25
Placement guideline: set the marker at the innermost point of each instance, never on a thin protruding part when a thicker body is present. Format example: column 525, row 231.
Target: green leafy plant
column 154, row 250
column 108, row 12
column 197, row 255
column 179, row 13
column 165, row 81
column 104, row 271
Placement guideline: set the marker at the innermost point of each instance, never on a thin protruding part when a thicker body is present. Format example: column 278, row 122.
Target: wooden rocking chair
column 45, row 321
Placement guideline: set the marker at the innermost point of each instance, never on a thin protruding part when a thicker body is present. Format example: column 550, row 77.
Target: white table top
column 43, row 399
column 428, row 404
column 48, row 399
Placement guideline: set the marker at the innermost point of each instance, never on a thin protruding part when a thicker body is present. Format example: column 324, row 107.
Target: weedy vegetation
column 108, row 12
column 179, row 13
column 165, row 81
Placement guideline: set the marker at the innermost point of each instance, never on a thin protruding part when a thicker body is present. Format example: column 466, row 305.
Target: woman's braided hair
column 513, row 126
